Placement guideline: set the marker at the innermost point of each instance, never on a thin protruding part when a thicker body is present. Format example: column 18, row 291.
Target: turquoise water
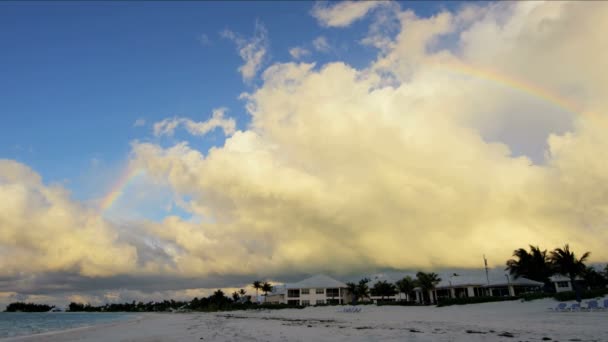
column 21, row 323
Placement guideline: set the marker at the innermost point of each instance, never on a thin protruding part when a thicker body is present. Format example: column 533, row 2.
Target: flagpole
column 485, row 262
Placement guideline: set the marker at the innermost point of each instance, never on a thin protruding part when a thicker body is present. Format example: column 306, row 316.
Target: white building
column 561, row 283
column 497, row 285
column 319, row 289
column 277, row 296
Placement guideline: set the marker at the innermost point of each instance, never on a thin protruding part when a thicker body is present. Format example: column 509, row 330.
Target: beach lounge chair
column 592, row 305
column 575, row 307
column 605, row 307
column 560, row 307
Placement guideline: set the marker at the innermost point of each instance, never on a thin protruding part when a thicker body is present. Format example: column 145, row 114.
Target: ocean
column 20, row 323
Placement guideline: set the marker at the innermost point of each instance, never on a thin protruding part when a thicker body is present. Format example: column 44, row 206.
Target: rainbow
column 510, row 82
column 495, row 76
column 127, row 177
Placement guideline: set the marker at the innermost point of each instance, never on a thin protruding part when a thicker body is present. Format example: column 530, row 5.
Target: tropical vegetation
column 407, row 286
column 427, row 282
column 28, row 307
column 359, row 290
column 383, row 289
column 266, row 287
column 534, row 265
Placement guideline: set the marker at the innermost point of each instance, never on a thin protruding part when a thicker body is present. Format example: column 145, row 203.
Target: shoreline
column 53, row 333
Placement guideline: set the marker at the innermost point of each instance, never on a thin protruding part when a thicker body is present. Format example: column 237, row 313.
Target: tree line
column 540, row 265
column 28, row 307
column 424, row 280
column 215, row 302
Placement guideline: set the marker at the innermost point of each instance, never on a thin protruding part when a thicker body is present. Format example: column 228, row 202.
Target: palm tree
column 235, row 296
column 266, row 287
column 358, row 290
column 218, row 296
column 257, row 285
column 242, row 292
column 594, row 279
column 352, row 290
column 427, row 282
column 534, row 265
column 362, row 288
column 565, row 262
column 384, row 289
column 406, row 285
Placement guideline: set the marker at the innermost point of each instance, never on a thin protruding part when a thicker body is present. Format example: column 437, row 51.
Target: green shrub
column 398, row 303
column 359, row 303
column 269, row 306
column 472, row 300
column 536, row 295
column 586, row 294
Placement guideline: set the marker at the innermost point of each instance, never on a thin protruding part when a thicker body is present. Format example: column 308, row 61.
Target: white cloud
column 385, row 25
column 347, row 163
column 43, row 230
column 139, row 122
column 320, row 44
column 344, row 13
column 298, row 52
column 217, row 120
column 204, row 40
column 252, row 50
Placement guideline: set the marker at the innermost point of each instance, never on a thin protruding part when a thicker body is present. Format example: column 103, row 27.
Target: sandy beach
column 506, row 321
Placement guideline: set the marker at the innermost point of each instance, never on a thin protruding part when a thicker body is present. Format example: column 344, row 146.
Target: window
column 293, row 302
column 293, row 293
column 305, row 302
column 563, row 284
column 320, row 291
column 332, row 292
column 305, row 291
column 320, row 301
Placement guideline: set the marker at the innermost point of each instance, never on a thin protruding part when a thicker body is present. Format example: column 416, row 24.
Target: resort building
column 456, row 286
column 316, row 290
column 562, row 283
column 277, row 296
column 321, row 289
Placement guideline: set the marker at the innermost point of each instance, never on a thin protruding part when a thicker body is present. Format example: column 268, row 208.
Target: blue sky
column 77, row 75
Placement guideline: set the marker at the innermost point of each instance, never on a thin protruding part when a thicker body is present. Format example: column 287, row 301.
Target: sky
column 152, row 149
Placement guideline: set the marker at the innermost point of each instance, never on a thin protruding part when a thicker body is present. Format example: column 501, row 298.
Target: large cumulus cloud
column 42, row 230
column 402, row 165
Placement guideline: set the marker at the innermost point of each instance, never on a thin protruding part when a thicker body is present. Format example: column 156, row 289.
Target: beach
column 501, row 321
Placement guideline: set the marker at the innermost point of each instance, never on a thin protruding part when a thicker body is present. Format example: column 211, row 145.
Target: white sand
column 530, row 321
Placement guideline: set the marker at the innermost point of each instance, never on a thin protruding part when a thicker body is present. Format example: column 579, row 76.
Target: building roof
column 318, row 281
column 378, row 278
column 278, row 289
column 481, row 280
column 521, row 281
column 559, row 277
